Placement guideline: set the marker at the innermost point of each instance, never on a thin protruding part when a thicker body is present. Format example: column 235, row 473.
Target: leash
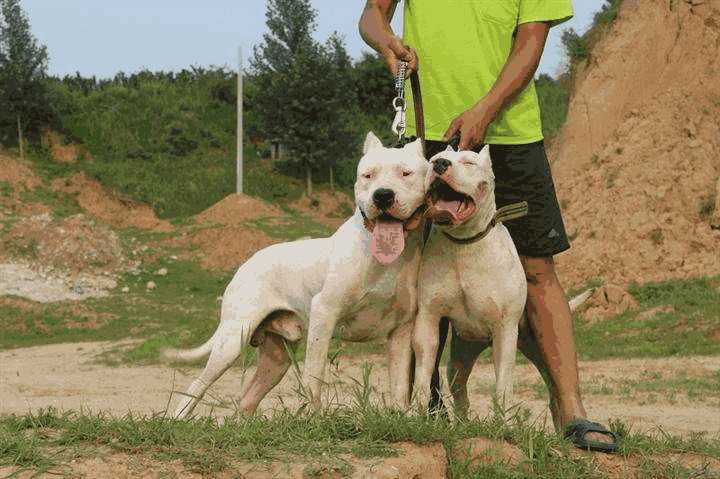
column 399, row 104
column 506, row 213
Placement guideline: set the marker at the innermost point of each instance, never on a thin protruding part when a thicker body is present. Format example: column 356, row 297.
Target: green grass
column 290, row 227
column 685, row 331
column 48, row 439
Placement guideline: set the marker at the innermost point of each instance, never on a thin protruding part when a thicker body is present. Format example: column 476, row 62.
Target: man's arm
column 514, row 77
column 375, row 29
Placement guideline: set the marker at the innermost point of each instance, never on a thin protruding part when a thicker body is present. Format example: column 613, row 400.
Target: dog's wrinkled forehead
column 376, row 156
column 468, row 158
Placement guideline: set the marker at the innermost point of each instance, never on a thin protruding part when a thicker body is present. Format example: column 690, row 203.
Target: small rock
column 162, row 272
column 151, row 285
column 125, row 289
column 173, row 257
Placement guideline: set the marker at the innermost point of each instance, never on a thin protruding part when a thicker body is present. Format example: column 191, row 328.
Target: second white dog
column 470, row 270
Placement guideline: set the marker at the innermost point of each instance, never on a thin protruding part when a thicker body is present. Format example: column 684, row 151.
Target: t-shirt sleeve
column 554, row 12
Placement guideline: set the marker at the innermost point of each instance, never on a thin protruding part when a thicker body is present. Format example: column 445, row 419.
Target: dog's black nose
column 383, row 198
column 441, row 165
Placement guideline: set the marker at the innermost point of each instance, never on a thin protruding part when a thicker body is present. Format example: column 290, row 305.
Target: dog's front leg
column 323, row 318
column 399, row 355
column 426, row 336
column 505, row 336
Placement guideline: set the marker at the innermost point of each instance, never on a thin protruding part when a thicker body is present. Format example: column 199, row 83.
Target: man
column 477, row 63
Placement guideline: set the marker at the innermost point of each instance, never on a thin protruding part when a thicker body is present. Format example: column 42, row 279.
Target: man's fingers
column 401, row 50
column 467, row 139
column 454, row 127
column 413, row 63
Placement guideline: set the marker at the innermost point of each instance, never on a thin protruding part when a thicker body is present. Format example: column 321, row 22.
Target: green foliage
column 23, row 64
column 554, row 99
column 162, row 138
column 576, row 45
column 307, row 100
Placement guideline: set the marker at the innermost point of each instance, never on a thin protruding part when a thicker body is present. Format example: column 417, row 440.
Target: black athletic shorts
column 522, row 173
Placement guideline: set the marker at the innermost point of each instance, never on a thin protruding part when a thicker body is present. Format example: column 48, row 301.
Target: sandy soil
column 67, row 376
column 638, row 160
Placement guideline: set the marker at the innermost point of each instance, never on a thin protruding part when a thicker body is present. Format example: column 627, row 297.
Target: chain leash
column 399, row 104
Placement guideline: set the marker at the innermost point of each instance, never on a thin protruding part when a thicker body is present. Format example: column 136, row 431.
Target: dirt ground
column 67, row 376
column 636, row 165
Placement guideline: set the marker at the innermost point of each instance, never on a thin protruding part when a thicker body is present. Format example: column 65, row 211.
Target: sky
column 99, row 37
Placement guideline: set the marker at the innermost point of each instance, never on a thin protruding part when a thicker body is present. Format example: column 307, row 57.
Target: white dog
column 470, row 271
column 360, row 284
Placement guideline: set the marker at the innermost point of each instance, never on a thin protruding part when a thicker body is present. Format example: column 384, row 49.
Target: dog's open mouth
column 447, row 206
column 389, row 234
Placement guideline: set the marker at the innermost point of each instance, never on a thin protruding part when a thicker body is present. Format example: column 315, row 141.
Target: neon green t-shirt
column 463, row 45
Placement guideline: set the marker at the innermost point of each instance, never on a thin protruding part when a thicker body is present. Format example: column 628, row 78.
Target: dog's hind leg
column 273, row 362
column 225, row 351
column 463, row 355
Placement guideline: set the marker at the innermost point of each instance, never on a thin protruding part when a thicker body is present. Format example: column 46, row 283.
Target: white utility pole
column 239, row 156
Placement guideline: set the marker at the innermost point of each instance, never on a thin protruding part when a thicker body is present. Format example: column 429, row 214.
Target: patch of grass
column 290, row 227
column 707, row 207
column 364, row 429
column 62, row 205
column 654, row 386
column 685, row 331
column 6, row 189
column 657, row 236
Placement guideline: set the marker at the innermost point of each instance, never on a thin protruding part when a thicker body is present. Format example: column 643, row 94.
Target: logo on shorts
column 553, row 233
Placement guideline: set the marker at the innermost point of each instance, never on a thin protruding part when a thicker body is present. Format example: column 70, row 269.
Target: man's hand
column 472, row 125
column 375, row 29
column 394, row 51
column 515, row 76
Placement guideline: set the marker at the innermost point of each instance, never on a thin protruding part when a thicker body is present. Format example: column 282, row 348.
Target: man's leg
column 551, row 322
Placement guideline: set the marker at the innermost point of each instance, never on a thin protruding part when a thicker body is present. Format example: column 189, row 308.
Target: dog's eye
column 468, row 162
column 367, row 176
column 407, row 173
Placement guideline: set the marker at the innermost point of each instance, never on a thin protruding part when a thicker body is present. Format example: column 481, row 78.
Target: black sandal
column 577, row 429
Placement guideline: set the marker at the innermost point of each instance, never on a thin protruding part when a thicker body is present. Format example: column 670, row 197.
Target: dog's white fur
column 327, row 286
column 480, row 286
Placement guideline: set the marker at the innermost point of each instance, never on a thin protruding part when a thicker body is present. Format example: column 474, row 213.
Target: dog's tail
column 580, row 299
column 187, row 355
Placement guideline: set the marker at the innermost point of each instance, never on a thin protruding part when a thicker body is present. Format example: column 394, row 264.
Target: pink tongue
column 388, row 241
column 444, row 211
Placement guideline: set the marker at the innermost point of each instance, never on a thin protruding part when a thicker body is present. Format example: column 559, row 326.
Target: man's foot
column 591, row 436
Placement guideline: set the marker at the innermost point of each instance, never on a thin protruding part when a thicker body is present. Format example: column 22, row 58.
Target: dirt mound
column 109, row 206
column 76, row 244
column 221, row 248
column 637, row 164
column 328, row 208
column 61, row 151
column 19, row 176
column 236, row 208
column 606, row 302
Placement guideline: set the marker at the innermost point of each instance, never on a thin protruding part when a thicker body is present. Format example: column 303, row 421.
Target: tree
column 302, row 99
column 23, row 66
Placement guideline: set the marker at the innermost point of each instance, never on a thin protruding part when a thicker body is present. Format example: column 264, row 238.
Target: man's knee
column 539, row 270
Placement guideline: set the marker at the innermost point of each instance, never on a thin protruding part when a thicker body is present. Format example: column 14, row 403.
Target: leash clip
column 399, row 105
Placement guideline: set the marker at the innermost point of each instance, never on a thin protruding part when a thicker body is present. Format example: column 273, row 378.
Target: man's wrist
column 488, row 107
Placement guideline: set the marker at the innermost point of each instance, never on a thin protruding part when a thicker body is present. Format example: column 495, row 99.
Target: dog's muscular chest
column 381, row 304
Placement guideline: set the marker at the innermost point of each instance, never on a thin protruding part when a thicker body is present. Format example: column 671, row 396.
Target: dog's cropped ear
column 371, row 142
column 416, row 147
column 484, row 157
column 449, row 148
